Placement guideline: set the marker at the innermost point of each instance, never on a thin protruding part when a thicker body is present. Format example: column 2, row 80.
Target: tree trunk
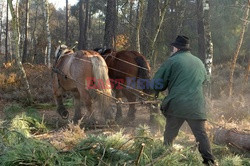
column 67, row 23
column 236, row 54
column 208, row 44
column 16, row 38
column 110, row 24
column 151, row 21
column 232, row 137
column 34, row 38
column 163, row 13
column 81, row 26
column 46, row 16
column 6, row 32
column 1, row 27
column 201, row 31
column 85, row 32
column 247, row 73
column 138, row 25
column 25, row 56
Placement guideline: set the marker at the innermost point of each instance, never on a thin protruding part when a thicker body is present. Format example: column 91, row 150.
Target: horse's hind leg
column 88, row 104
column 58, row 92
column 118, row 105
column 131, row 98
column 78, row 104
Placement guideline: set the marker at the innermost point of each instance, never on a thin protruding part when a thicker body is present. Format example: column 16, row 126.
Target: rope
column 118, row 101
column 128, row 87
column 125, row 61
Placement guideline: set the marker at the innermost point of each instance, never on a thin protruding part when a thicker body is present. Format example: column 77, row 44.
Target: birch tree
column 6, row 32
column 140, row 9
column 162, row 16
column 67, row 22
column 25, row 45
column 1, row 26
column 16, row 39
column 208, row 43
column 236, row 54
column 46, row 16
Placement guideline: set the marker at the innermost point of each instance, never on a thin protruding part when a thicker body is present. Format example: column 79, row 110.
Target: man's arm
column 161, row 77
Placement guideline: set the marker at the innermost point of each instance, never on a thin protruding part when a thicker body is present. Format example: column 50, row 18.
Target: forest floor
column 233, row 113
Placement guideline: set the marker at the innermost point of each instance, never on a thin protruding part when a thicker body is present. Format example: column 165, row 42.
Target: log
column 238, row 139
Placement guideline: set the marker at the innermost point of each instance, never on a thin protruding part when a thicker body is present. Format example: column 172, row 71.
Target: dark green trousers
column 198, row 128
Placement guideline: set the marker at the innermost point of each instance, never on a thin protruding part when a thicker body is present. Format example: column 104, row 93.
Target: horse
column 127, row 69
column 78, row 72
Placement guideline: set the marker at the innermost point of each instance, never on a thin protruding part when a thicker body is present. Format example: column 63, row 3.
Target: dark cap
column 181, row 42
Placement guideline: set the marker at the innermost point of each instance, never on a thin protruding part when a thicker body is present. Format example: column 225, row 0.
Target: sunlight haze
column 61, row 3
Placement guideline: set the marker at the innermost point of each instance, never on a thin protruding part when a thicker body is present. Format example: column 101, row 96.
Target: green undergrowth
column 107, row 149
column 20, row 146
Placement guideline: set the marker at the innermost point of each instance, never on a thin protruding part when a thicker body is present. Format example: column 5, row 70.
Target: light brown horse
column 71, row 72
column 131, row 69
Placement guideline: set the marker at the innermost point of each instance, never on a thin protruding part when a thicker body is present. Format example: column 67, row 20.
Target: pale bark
column 25, row 47
column 16, row 39
column 6, row 33
column 34, row 37
column 67, row 23
column 46, row 16
column 208, row 45
column 236, row 54
column 1, row 27
column 162, row 16
column 138, row 25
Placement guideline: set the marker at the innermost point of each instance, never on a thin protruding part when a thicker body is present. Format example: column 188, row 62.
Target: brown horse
column 131, row 69
column 71, row 72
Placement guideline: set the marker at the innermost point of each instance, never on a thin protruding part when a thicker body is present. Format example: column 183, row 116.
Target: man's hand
column 156, row 95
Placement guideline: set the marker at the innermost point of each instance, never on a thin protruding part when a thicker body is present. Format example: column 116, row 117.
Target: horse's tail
column 143, row 69
column 100, row 72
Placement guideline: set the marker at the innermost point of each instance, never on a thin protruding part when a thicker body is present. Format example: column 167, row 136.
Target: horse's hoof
column 64, row 114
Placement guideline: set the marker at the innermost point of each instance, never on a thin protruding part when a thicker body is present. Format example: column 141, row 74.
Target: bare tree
column 201, row 31
column 1, row 26
column 34, row 36
column 25, row 45
column 110, row 24
column 162, row 16
column 208, row 44
column 86, row 25
column 67, row 22
column 81, row 26
column 6, row 32
column 46, row 16
column 16, row 38
column 140, row 9
column 236, row 54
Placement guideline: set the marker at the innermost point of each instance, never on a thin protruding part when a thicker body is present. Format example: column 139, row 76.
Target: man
column 183, row 75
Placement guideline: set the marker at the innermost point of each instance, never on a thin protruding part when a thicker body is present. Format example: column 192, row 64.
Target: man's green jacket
column 183, row 74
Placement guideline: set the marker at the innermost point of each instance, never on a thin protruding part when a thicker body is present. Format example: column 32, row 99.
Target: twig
column 140, row 154
column 104, row 150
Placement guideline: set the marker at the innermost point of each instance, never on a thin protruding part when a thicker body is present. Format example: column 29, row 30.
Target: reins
column 110, row 54
column 118, row 101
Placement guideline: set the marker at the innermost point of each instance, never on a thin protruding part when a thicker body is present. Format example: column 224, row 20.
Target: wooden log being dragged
column 232, row 137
